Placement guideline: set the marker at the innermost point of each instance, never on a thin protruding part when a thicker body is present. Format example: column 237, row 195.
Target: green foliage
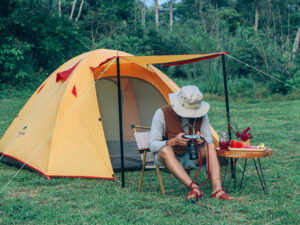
column 35, row 40
column 131, row 44
column 12, row 56
column 232, row 18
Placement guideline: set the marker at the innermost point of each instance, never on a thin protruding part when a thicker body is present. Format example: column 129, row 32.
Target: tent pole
column 228, row 116
column 120, row 121
column 226, row 95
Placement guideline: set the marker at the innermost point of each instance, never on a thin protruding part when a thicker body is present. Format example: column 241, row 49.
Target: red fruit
column 236, row 144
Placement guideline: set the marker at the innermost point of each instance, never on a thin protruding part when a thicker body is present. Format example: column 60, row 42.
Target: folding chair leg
column 142, row 173
column 159, row 177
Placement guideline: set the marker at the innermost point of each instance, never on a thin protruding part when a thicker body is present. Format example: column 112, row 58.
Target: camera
column 192, row 147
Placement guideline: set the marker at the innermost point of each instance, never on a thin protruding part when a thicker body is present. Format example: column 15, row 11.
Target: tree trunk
column 59, row 8
column 269, row 25
column 217, row 27
column 295, row 46
column 73, row 8
column 135, row 16
column 156, row 14
column 143, row 12
column 281, row 31
column 92, row 33
column 288, row 34
column 201, row 16
column 171, row 16
column 274, row 33
column 79, row 12
column 256, row 18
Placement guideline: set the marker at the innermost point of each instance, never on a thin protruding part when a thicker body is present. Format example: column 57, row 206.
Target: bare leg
column 214, row 168
column 167, row 157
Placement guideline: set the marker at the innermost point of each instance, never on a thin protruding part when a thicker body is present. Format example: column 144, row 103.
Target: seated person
column 186, row 114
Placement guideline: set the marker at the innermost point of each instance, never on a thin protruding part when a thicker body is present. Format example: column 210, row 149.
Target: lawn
column 32, row 199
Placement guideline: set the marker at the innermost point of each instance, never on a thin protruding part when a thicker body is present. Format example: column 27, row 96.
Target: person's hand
column 178, row 140
column 200, row 141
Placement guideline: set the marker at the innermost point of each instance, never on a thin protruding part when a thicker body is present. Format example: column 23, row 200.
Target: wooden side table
column 234, row 155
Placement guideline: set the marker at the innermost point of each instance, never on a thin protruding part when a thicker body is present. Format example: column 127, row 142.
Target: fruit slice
column 236, row 144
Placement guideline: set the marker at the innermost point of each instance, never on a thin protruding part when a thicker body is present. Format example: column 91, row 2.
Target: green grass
column 31, row 199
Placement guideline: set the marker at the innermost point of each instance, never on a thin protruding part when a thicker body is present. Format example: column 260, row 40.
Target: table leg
column 262, row 175
column 259, row 176
column 244, row 171
column 224, row 177
column 234, row 172
column 231, row 166
column 231, row 174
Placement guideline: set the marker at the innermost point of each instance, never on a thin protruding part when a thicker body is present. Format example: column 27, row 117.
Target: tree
column 156, row 14
column 295, row 46
column 171, row 15
column 79, row 12
column 59, row 8
column 256, row 16
column 73, row 8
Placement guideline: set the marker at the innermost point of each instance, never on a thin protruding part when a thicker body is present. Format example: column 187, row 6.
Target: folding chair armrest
column 141, row 150
column 138, row 126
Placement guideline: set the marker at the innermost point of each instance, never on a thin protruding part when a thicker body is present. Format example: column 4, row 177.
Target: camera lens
column 193, row 150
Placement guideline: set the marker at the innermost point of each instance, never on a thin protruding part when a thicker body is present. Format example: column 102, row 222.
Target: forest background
column 37, row 36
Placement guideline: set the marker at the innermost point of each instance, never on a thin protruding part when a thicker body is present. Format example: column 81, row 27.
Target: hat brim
column 187, row 112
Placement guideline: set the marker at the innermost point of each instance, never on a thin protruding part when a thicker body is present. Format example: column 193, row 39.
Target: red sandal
column 193, row 195
column 223, row 196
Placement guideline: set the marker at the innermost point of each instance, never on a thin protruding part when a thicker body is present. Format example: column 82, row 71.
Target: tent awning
column 169, row 60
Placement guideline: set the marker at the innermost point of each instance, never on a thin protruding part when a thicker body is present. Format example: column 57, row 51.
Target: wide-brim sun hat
column 188, row 102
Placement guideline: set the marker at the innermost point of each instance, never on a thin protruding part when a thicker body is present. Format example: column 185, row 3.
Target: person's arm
column 177, row 140
column 157, row 131
column 205, row 129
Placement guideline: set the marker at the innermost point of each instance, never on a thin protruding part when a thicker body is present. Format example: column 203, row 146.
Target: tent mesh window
column 140, row 100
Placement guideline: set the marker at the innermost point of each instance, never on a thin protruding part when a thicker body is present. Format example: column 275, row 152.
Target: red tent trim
column 105, row 178
column 193, row 60
column 107, row 60
column 74, row 92
column 170, row 63
column 40, row 89
column 48, row 176
column 65, row 74
column 27, row 165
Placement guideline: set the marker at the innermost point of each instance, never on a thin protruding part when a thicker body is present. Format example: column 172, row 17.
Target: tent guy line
column 258, row 70
column 52, row 132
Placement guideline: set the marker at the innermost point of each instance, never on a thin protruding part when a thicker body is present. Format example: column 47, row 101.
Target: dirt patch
column 26, row 192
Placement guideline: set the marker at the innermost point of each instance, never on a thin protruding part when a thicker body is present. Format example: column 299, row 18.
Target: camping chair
column 142, row 141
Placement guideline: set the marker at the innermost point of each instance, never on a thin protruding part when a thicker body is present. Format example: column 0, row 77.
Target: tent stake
column 120, row 121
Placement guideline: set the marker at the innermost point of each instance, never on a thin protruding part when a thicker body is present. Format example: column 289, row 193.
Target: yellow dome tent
column 69, row 127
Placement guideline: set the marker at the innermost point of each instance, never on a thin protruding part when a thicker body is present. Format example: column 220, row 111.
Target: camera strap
column 207, row 162
column 190, row 125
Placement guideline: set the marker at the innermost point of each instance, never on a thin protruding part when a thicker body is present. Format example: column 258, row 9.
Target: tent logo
column 21, row 132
